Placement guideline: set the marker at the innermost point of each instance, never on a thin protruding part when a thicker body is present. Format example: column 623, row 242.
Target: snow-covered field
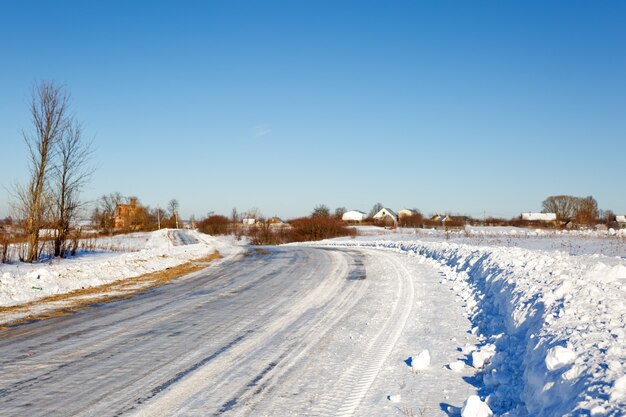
column 574, row 242
column 548, row 308
column 111, row 259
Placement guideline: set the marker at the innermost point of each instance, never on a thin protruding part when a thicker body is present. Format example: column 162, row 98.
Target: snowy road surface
column 295, row 331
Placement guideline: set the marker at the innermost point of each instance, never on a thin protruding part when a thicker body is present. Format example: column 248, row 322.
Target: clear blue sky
column 462, row 106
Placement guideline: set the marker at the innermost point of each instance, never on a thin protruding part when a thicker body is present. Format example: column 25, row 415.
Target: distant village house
column 353, row 216
column 405, row 213
column 387, row 216
column 539, row 217
column 441, row 218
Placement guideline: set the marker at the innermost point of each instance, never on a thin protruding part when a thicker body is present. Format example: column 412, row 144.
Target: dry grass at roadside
column 65, row 304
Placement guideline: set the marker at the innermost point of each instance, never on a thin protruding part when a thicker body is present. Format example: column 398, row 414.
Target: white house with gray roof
column 385, row 214
column 353, row 216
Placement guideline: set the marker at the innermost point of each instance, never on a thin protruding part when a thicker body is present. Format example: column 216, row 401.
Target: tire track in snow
column 302, row 344
column 354, row 384
column 181, row 238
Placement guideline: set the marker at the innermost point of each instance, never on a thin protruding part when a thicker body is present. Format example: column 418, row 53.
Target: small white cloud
column 262, row 130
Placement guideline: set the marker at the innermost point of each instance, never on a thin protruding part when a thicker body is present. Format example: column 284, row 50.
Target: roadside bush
column 414, row 220
column 214, row 225
column 317, row 228
column 263, row 233
column 299, row 230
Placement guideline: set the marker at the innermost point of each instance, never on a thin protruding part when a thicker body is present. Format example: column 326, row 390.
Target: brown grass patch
column 119, row 290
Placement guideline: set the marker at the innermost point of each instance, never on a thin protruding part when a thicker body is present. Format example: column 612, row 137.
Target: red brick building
column 129, row 216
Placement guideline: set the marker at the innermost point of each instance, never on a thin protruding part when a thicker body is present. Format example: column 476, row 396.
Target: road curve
column 206, row 344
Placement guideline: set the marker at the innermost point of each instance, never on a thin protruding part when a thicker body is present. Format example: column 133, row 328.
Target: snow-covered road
column 290, row 331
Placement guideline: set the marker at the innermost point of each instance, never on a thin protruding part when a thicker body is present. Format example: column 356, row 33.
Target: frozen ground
column 110, row 259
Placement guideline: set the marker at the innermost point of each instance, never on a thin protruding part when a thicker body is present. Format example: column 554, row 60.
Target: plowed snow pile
column 552, row 325
column 112, row 259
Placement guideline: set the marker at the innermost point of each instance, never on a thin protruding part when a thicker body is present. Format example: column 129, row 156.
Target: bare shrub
column 214, row 225
column 263, row 233
column 317, row 228
column 413, row 220
column 299, row 230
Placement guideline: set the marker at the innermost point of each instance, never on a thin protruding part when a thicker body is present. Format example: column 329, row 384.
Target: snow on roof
column 353, row 215
column 354, row 212
column 441, row 218
column 543, row 217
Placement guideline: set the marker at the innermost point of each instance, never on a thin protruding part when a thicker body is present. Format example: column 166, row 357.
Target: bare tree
column 586, row 211
column 608, row 215
column 71, row 173
column 172, row 207
column 159, row 214
column 375, row 209
column 321, row 211
column 253, row 213
column 234, row 215
column 562, row 205
column 48, row 110
column 339, row 212
column 104, row 214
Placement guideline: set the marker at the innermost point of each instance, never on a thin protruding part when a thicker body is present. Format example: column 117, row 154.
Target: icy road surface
column 295, row 331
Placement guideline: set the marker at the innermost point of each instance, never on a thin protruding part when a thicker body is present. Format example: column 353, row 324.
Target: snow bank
column 126, row 256
column 552, row 325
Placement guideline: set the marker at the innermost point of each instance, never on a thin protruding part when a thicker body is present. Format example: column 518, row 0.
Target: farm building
column 406, row 213
column 620, row 219
column 539, row 217
column 353, row 216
